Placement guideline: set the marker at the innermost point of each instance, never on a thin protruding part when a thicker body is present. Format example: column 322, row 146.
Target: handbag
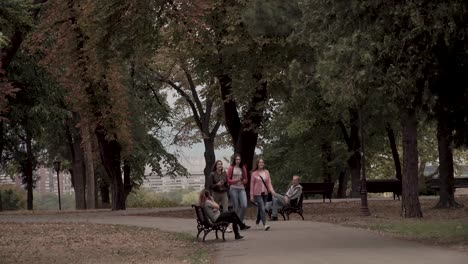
column 269, row 196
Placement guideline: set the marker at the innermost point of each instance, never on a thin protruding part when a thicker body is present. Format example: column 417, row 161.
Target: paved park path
column 286, row 242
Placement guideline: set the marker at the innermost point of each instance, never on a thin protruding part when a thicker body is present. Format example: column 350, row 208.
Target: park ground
column 441, row 227
column 44, row 243
column 331, row 230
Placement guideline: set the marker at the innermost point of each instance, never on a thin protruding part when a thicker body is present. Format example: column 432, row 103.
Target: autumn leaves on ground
column 93, row 243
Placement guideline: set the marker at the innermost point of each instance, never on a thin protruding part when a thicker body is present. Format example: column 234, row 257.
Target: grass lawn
column 448, row 232
column 95, row 243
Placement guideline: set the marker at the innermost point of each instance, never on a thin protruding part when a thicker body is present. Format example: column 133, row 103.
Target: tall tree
column 90, row 54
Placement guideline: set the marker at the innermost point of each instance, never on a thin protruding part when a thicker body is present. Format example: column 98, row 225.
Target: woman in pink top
column 237, row 179
column 260, row 186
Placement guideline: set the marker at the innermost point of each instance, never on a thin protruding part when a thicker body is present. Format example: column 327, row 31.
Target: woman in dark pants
column 212, row 211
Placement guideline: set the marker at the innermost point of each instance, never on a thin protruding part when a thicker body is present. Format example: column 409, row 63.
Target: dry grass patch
column 95, row 243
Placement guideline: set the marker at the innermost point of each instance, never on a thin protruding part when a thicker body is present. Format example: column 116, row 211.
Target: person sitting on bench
column 279, row 201
column 212, row 211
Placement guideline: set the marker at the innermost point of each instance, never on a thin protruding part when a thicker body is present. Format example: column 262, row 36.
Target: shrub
column 49, row 201
column 144, row 198
column 190, row 198
column 13, row 197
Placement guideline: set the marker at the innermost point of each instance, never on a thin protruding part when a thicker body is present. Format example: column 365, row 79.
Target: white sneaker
column 228, row 230
column 266, row 227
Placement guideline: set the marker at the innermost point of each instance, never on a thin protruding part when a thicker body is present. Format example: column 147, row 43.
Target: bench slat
column 323, row 188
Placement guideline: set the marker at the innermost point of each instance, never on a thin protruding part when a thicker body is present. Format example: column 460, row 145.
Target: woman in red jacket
column 237, row 179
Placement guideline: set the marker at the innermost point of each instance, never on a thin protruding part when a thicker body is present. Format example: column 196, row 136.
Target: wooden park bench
column 383, row 186
column 204, row 224
column 294, row 207
column 459, row 183
column 323, row 188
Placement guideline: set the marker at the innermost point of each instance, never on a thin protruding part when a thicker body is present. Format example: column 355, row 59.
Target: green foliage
column 14, row 16
column 13, row 197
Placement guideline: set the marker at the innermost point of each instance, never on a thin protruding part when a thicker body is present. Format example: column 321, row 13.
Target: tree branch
column 182, row 93
column 345, row 133
column 155, row 94
column 233, row 123
column 195, row 96
column 209, row 107
column 215, row 129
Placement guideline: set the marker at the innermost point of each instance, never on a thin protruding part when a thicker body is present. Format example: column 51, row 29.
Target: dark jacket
column 215, row 178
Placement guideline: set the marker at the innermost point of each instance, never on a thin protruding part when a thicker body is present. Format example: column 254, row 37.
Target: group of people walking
column 215, row 200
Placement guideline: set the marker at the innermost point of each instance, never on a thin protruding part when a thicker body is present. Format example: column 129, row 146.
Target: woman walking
column 212, row 211
column 260, row 186
column 219, row 185
column 237, row 179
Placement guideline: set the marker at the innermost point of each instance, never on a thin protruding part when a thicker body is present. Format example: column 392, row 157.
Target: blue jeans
column 278, row 202
column 239, row 202
column 260, row 200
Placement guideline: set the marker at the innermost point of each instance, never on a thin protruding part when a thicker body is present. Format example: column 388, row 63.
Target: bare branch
column 182, row 93
column 345, row 133
column 194, row 93
column 215, row 129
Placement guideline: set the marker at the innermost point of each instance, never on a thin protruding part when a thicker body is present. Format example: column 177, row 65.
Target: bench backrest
column 387, row 185
column 458, row 182
column 461, row 182
column 202, row 219
column 317, row 186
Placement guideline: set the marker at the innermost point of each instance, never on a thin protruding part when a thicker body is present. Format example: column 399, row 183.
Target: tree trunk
column 2, row 144
column 78, row 174
column 410, row 197
column 396, row 156
column 354, row 162
column 109, row 150
column 252, row 121
column 326, row 158
column 232, row 119
column 209, row 159
column 342, row 184
column 1, row 155
column 422, row 178
column 128, row 186
column 28, row 169
column 2, row 141
column 446, row 173
column 105, row 195
column 88, row 160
